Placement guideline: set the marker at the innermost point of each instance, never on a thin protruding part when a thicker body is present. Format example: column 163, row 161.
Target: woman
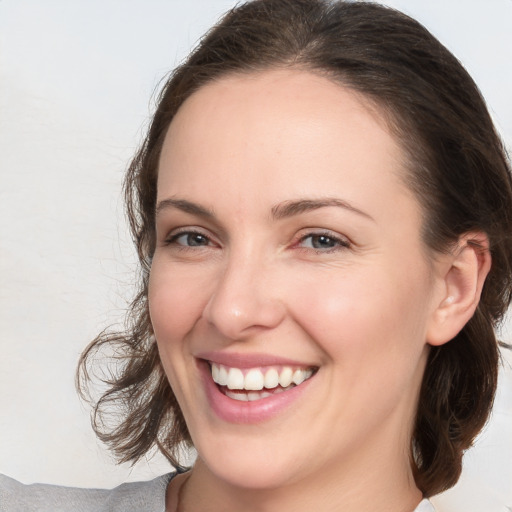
column 322, row 214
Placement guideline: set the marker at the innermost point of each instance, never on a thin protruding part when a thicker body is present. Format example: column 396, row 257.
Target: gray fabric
column 131, row 497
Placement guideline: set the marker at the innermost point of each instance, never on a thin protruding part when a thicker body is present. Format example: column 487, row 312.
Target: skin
column 362, row 308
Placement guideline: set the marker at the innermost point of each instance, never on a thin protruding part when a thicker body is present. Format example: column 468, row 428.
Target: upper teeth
column 256, row 379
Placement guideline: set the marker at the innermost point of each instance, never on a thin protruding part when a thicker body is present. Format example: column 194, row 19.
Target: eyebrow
column 184, row 206
column 291, row 208
column 279, row 211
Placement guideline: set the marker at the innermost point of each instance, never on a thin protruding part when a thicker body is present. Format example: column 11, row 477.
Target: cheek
column 363, row 313
column 176, row 300
column 371, row 332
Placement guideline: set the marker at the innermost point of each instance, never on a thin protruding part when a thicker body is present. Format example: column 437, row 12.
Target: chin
column 250, row 465
column 247, row 475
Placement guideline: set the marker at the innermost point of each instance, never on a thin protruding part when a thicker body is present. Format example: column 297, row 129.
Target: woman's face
column 288, row 247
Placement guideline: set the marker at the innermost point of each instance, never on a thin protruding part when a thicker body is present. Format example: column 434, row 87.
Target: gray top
column 131, row 497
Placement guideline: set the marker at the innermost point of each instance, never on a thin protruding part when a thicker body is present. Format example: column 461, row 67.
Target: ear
column 462, row 276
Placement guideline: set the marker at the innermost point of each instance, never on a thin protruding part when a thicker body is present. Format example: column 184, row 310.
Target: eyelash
column 341, row 243
column 172, row 240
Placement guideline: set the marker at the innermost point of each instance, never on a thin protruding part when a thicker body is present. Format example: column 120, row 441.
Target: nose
column 246, row 299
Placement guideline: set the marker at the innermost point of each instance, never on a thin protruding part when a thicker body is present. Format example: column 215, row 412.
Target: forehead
column 276, row 99
column 296, row 130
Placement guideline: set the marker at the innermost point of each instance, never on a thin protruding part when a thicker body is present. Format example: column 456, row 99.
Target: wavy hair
column 457, row 167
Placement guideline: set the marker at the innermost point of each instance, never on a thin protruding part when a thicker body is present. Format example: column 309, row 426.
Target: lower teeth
column 252, row 396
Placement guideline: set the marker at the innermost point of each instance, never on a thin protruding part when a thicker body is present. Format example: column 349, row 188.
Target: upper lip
column 252, row 360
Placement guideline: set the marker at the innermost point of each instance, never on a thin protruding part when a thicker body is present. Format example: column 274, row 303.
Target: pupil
column 195, row 239
column 322, row 241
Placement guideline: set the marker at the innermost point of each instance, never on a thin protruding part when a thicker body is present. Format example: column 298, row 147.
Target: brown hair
column 457, row 168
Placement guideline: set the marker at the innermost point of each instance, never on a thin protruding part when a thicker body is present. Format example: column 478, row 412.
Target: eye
column 323, row 242
column 189, row 239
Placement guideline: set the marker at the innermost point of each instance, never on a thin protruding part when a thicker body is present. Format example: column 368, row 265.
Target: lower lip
column 236, row 411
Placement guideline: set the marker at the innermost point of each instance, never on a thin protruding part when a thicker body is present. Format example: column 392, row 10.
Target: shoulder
column 130, row 497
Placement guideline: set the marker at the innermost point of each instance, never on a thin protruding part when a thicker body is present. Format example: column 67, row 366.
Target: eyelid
column 175, row 233
column 343, row 242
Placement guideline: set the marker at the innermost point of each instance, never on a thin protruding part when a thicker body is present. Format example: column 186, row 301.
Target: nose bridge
column 244, row 298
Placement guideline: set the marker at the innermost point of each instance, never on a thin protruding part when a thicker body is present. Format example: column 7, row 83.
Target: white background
column 76, row 78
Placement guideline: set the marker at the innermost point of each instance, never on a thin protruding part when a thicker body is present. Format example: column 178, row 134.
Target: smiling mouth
column 251, row 384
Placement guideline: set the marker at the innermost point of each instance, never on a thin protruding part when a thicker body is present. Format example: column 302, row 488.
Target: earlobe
column 463, row 278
